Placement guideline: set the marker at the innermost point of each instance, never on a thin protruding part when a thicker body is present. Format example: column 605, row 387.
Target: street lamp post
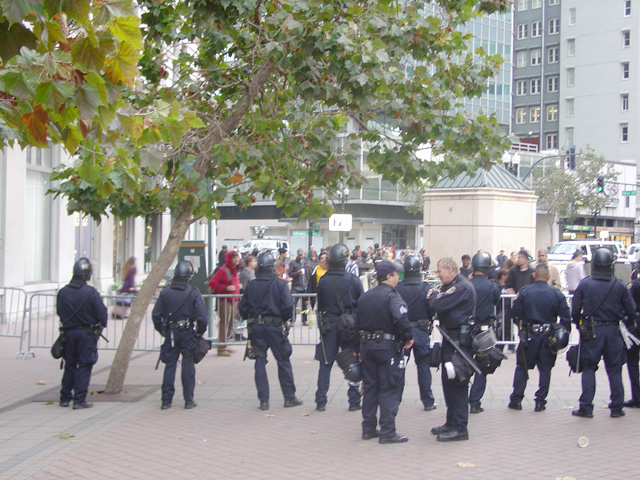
column 343, row 196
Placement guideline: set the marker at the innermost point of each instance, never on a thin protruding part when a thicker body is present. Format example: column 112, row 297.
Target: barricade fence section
column 39, row 324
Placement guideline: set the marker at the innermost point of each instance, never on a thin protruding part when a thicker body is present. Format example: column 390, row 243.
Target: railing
column 13, row 314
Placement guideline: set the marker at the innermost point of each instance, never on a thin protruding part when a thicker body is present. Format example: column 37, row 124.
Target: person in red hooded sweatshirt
column 226, row 281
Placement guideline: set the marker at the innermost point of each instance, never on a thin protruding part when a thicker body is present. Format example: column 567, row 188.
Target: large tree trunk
column 141, row 303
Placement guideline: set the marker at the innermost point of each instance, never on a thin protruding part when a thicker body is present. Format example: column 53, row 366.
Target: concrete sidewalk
column 227, row 436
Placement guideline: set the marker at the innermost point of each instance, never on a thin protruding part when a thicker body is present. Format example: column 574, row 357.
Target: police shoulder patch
column 450, row 290
column 403, row 310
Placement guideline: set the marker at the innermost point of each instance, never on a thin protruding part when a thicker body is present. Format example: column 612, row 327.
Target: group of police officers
column 376, row 332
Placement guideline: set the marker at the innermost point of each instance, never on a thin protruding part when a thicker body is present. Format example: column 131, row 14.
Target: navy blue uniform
column 487, row 297
column 615, row 302
column 537, row 305
column 382, row 310
column 633, row 356
column 454, row 306
column 414, row 293
column 183, row 307
column 267, row 304
column 81, row 346
column 334, row 286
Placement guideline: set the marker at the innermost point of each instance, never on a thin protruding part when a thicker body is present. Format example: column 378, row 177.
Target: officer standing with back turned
column 267, row 306
column 338, row 292
column 83, row 316
column 384, row 332
column 179, row 315
column 599, row 305
column 414, row 292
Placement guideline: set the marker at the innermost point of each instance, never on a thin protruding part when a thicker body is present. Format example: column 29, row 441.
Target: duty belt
column 539, row 328
column 269, row 321
column 376, row 336
column 181, row 324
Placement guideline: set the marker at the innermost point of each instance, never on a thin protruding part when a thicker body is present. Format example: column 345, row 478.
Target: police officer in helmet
column 414, row 292
column 82, row 317
column 600, row 303
column 384, row 332
column 487, row 297
column 179, row 315
column 633, row 353
column 338, row 292
column 267, row 306
column 537, row 307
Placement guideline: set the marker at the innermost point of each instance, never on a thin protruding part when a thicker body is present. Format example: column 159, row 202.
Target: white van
column 563, row 251
column 264, row 244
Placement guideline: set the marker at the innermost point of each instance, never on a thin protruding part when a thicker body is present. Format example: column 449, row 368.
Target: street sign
column 628, row 193
column 340, row 222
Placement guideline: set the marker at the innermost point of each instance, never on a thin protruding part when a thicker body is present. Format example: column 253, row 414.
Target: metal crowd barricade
column 13, row 314
column 118, row 308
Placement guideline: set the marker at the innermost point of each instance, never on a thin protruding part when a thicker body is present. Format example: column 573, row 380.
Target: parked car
column 563, row 251
column 633, row 252
column 264, row 244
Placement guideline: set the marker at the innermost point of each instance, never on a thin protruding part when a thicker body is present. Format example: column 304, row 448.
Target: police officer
column 338, row 292
column 179, row 315
column 267, row 306
column 414, row 292
column 454, row 306
column 599, row 304
column 82, row 316
column 384, row 331
column 536, row 307
column 633, row 352
column 487, row 297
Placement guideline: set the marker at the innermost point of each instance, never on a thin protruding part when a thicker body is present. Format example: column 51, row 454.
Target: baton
column 523, row 352
column 465, row 356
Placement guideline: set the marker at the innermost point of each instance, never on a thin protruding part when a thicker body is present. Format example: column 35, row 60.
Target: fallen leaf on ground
column 269, row 415
column 568, row 406
column 65, row 436
column 49, row 403
column 75, row 441
column 466, row 464
column 42, row 382
column 566, row 478
column 604, row 407
column 200, row 383
column 305, row 414
column 313, row 432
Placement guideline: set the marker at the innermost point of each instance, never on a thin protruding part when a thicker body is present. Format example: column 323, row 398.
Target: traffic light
column 571, row 158
column 600, row 184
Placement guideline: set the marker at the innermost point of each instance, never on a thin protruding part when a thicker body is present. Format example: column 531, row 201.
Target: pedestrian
column 352, row 265
column 82, row 318
column 267, row 306
column 414, row 292
column 298, row 277
column 633, row 353
column 282, row 267
column 537, row 307
column 338, row 292
column 465, row 269
column 487, row 297
column 226, row 282
column 554, row 274
column 599, row 304
column 454, row 306
column 384, row 331
column 500, row 259
column 180, row 316
column 221, row 255
column 248, row 273
column 316, row 274
column 575, row 271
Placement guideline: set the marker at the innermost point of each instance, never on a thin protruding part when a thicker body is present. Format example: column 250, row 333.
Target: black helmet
column 266, row 260
column 481, row 261
column 183, row 269
column 338, row 255
column 602, row 261
column 83, row 268
column 412, row 264
column 558, row 338
column 350, row 365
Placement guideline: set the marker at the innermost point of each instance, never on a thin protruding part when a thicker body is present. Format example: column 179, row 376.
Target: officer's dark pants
column 295, row 303
column 634, row 371
column 421, row 350
column 331, row 347
column 383, row 382
column 264, row 337
column 184, row 343
column 476, row 391
column 456, row 394
column 538, row 354
column 609, row 345
column 80, row 355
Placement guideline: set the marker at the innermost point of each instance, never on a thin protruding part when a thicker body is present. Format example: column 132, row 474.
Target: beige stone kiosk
column 491, row 210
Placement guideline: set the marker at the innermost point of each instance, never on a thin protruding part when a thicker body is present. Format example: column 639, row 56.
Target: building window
column 536, row 57
column 626, row 39
column 571, row 47
column 552, row 113
column 521, row 116
column 551, row 141
column 552, row 55
column 554, row 2
column 552, row 84
column 625, row 70
column 554, row 26
column 535, row 86
column 536, row 29
column 624, row 102
column 570, row 136
column 571, row 77
column 624, row 132
column 522, row 5
column 534, row 114
column 521, row 59
column 570, row 106
column 521, row 87
column 572, row 16
column 522, row 31
column 536, row 4
column 627, row 8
